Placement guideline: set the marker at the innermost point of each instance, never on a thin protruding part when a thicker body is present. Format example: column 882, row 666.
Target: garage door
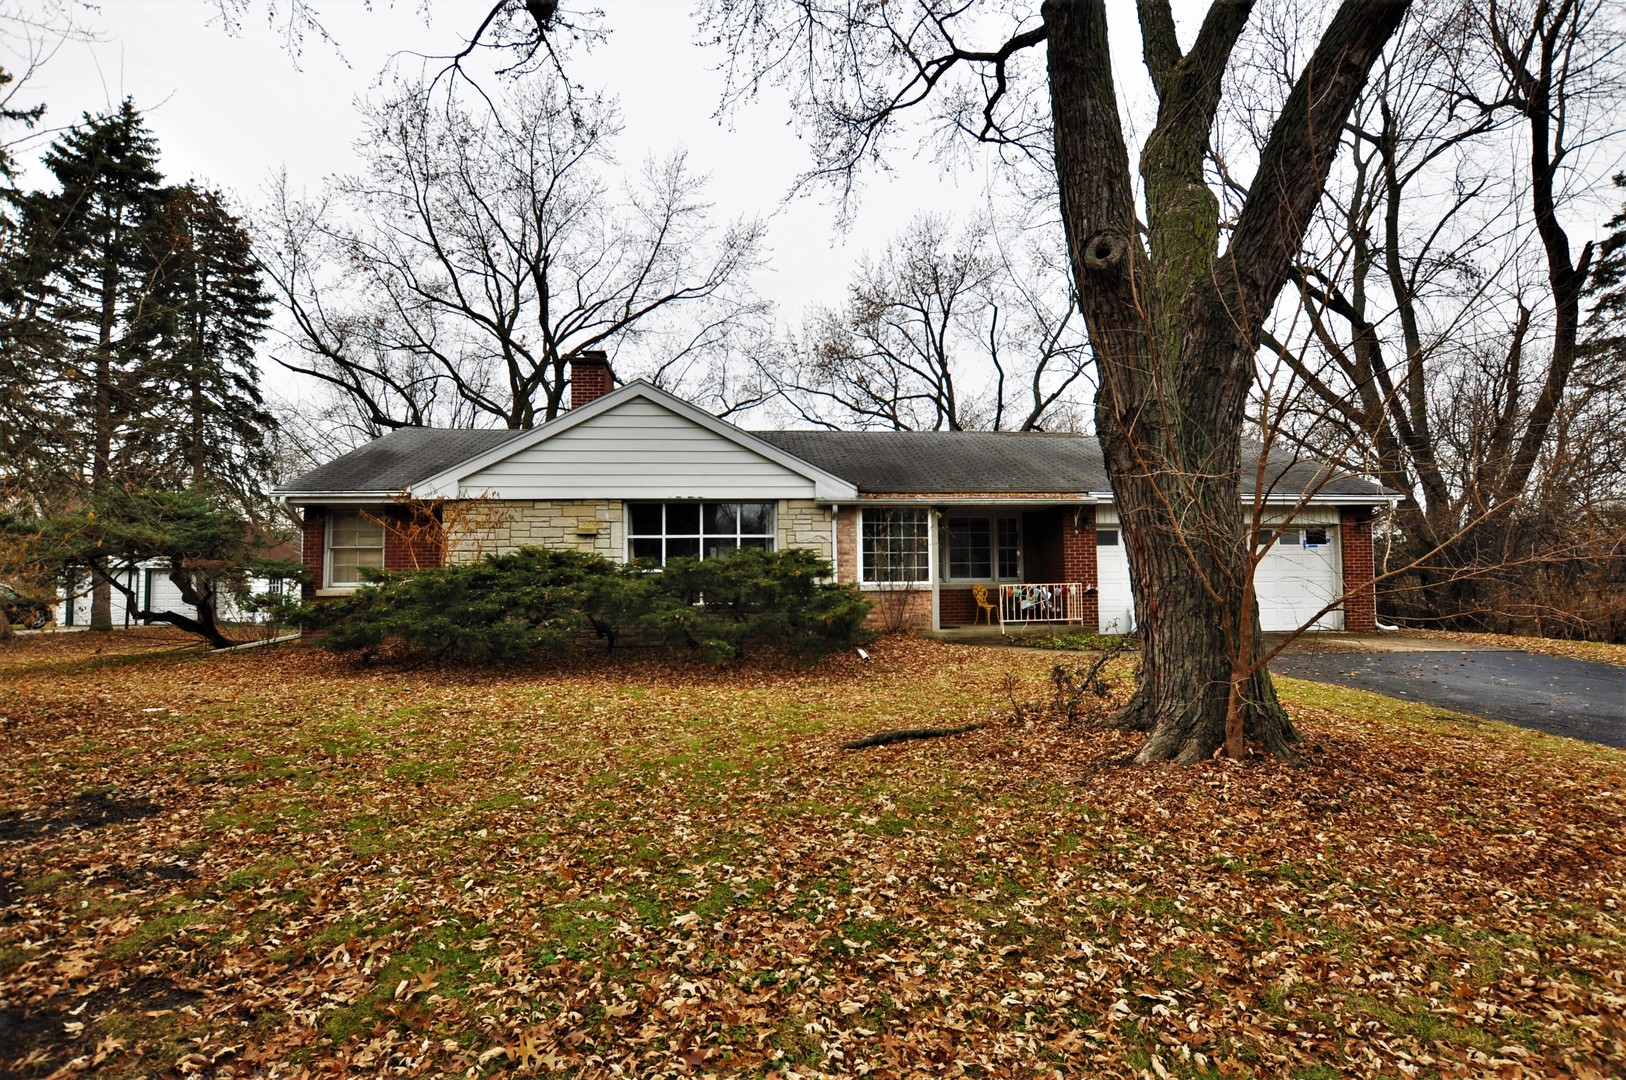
column 1300, row 574
column 1117, row 603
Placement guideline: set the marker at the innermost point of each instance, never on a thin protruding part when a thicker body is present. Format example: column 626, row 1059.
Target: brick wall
column 908, row 609
column 847, row 544
column 412, row 538
column 1360, row 594
column 957, row 607
column 314, row 548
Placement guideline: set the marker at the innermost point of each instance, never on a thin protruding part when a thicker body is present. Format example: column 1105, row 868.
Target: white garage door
column 1301, row 573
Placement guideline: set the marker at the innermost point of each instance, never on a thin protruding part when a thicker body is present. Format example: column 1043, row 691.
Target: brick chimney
column 589, row 377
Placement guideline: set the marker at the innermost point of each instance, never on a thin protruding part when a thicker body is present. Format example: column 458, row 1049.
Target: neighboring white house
column 154, row 592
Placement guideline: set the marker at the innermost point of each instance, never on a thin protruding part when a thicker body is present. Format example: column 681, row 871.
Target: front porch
column 1015, row 568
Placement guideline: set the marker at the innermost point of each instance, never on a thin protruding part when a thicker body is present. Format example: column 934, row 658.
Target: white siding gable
column 637, row 450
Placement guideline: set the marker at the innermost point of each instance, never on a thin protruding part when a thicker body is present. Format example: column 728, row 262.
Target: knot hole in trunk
column 1105, row 251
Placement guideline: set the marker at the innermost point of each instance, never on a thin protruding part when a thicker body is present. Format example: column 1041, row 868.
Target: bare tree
column 944, row 330
column 485, row 245
column 1441, row 323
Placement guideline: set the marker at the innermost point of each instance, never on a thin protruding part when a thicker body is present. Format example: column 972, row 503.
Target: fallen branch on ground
column 883, row 738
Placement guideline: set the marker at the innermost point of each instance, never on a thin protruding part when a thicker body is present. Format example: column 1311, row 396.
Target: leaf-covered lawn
column 270, row 863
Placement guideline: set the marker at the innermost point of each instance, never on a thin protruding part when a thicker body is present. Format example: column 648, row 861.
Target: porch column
column 1355, row 545
column 1078, row 558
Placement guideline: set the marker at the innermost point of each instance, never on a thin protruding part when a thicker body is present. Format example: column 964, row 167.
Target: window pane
column 347, row 563
column 1106, row 538
column 1010, row 549
column 646, row 519
column 682, row 519
column 761, row 543
column 647, row 550
column 722, row 519
column 718, row 547
column 756, row 518
column 970, row 554
column 682, row 547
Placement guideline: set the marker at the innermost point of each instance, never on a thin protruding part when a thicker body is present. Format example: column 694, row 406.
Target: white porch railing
column 1037, row 602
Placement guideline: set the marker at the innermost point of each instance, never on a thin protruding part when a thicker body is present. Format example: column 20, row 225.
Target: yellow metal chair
column 985, row 609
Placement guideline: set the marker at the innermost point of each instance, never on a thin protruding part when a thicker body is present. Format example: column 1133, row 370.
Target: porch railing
column 1041, row 602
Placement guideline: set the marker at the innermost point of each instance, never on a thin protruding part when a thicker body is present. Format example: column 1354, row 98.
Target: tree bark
column 101, row 465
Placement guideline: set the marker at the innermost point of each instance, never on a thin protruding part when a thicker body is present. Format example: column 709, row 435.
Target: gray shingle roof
column 399, row 460
column 946, row 462
column 1007, row 463
column 877, row 462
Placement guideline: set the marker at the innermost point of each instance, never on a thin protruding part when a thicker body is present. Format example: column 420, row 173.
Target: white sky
column 228, row 111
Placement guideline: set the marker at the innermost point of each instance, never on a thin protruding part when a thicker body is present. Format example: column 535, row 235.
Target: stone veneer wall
column 803, row 523
column 563, row 524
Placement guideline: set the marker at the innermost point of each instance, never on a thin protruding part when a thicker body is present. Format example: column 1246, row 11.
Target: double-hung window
column 982, row 549
column 657, row 532
column 895, row 546
column 354, row 542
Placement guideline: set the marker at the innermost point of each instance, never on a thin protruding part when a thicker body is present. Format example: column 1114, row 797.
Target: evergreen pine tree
column 214, row 311
column 92, row 263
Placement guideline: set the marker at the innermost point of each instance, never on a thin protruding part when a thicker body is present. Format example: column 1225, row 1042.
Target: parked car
column 23, row 610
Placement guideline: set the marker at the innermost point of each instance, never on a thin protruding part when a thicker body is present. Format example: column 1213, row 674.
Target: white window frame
column 931, row 548
column 991, row 520
column 771, row 533
column 327, row 549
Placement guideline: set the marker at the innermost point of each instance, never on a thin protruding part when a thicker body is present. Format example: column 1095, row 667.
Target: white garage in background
column 1302, row 572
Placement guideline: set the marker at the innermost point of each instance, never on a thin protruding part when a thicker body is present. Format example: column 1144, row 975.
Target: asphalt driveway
column 1575, row 698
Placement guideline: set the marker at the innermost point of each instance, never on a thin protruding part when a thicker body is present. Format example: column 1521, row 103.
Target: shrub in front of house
column 503, row 608
column 779, row 600
column 498, row 609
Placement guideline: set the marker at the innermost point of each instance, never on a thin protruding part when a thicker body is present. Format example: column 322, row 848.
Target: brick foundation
column 1360, row 594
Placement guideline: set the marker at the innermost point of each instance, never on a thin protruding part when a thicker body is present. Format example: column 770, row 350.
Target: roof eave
column 297, row 497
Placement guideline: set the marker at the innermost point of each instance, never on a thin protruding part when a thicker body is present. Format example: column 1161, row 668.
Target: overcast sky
column 228, row 110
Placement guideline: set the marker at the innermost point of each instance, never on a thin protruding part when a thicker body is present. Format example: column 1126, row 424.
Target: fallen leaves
column 272, row 863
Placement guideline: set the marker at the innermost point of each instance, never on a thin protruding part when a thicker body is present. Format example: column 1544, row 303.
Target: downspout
column 931, row 568
column 835, row 556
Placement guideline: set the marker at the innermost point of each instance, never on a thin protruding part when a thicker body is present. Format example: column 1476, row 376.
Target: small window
column 1106, row 538
column 1315, row 537
column 1282, row 538
column 355, row 542
column 657, row 532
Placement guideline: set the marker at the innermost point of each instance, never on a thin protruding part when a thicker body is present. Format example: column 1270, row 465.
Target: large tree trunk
column 1175, row 325
column 101, row 465
column 1188, row 566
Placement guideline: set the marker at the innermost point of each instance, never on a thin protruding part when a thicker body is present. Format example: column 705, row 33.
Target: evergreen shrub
column 503, row 608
